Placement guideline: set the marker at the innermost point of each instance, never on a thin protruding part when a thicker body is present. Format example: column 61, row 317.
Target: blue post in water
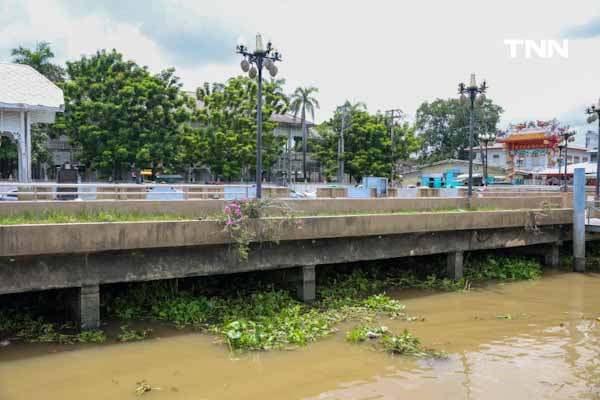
column 579, row 220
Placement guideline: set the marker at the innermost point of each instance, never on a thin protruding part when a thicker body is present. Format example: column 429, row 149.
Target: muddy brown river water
column 546, row 346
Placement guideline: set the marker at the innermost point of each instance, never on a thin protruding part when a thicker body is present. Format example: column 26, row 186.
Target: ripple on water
column 534, row 357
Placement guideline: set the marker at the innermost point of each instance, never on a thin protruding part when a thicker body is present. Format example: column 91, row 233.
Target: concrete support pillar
column 28, row 146
column 22, row 148
column 454, row 265
column 84, row 305
column 552, row 257
column 579, row 220
column 306, row 284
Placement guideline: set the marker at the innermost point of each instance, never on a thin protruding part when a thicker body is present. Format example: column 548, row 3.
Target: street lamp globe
column 252, row 73
column 269, row 64
column 245, row 65
column 480, row 99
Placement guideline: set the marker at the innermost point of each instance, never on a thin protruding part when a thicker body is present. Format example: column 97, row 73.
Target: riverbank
column 548, row 349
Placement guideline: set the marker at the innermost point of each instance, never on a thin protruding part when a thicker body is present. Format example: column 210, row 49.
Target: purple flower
column 229, row 222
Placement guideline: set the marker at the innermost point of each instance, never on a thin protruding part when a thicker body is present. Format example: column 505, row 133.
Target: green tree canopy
column 368, row 144
column 40, row 59
column 121, row 115
column 443, row 127
column 224, row 137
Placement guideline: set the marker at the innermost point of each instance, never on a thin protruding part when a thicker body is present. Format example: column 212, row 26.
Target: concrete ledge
column 22, row 274
column 29, row 240
column 196, row 208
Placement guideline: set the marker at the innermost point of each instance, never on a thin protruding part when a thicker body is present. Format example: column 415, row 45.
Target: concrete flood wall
column 84, row 256
column 39, row 239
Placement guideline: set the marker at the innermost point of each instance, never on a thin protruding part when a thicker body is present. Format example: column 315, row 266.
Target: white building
column 26, row 97
column 497, row 157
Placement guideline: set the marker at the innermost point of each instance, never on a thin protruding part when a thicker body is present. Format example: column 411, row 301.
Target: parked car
column 303, row 195
column 170, row 193
column 169, row 179
column 12, row 195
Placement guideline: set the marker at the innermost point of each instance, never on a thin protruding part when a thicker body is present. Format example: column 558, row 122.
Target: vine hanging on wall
column 240, row 217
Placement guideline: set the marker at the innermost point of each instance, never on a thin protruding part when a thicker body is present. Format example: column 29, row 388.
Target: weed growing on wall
column 238, row 215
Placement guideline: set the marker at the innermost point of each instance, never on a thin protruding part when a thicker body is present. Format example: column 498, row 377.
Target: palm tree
column 351, row 108
column 301, row 101
column 39, row 59
column 274, row 95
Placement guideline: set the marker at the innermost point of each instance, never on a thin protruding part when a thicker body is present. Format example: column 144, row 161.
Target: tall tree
column 367, row 144
column 352, row 107
column 122, row 115
column 225, row 134
column 39, row 58
column 302, row 101
column 443, row 126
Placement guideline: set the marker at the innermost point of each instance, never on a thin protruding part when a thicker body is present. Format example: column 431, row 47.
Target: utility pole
column 340, row 161
column 393, row 117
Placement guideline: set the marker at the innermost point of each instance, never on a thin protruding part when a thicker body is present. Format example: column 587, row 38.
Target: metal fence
column 39, row 191
column 12, row 191
column 592, row 210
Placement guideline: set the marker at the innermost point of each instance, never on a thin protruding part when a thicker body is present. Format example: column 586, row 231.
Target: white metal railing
column 591, row 206
column 11, row 191
column 122, row 191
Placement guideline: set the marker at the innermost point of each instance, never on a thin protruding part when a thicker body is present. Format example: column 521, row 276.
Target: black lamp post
column 486, row 139
column 560, row 155
column 253, row 63
column 594, row 114
column 471, row 93
column 566, row 136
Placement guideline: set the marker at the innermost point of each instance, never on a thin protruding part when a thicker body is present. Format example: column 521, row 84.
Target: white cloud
column 388, row 54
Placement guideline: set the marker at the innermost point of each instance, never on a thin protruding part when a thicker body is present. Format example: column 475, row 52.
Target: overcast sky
column 389, row 54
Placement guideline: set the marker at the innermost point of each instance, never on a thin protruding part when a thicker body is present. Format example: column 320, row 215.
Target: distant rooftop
column 289, row 119
column 590, row 168
column 492, row 146
column 22, row 87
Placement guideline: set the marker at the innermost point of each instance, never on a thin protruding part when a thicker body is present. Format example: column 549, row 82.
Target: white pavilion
column 26, row 97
